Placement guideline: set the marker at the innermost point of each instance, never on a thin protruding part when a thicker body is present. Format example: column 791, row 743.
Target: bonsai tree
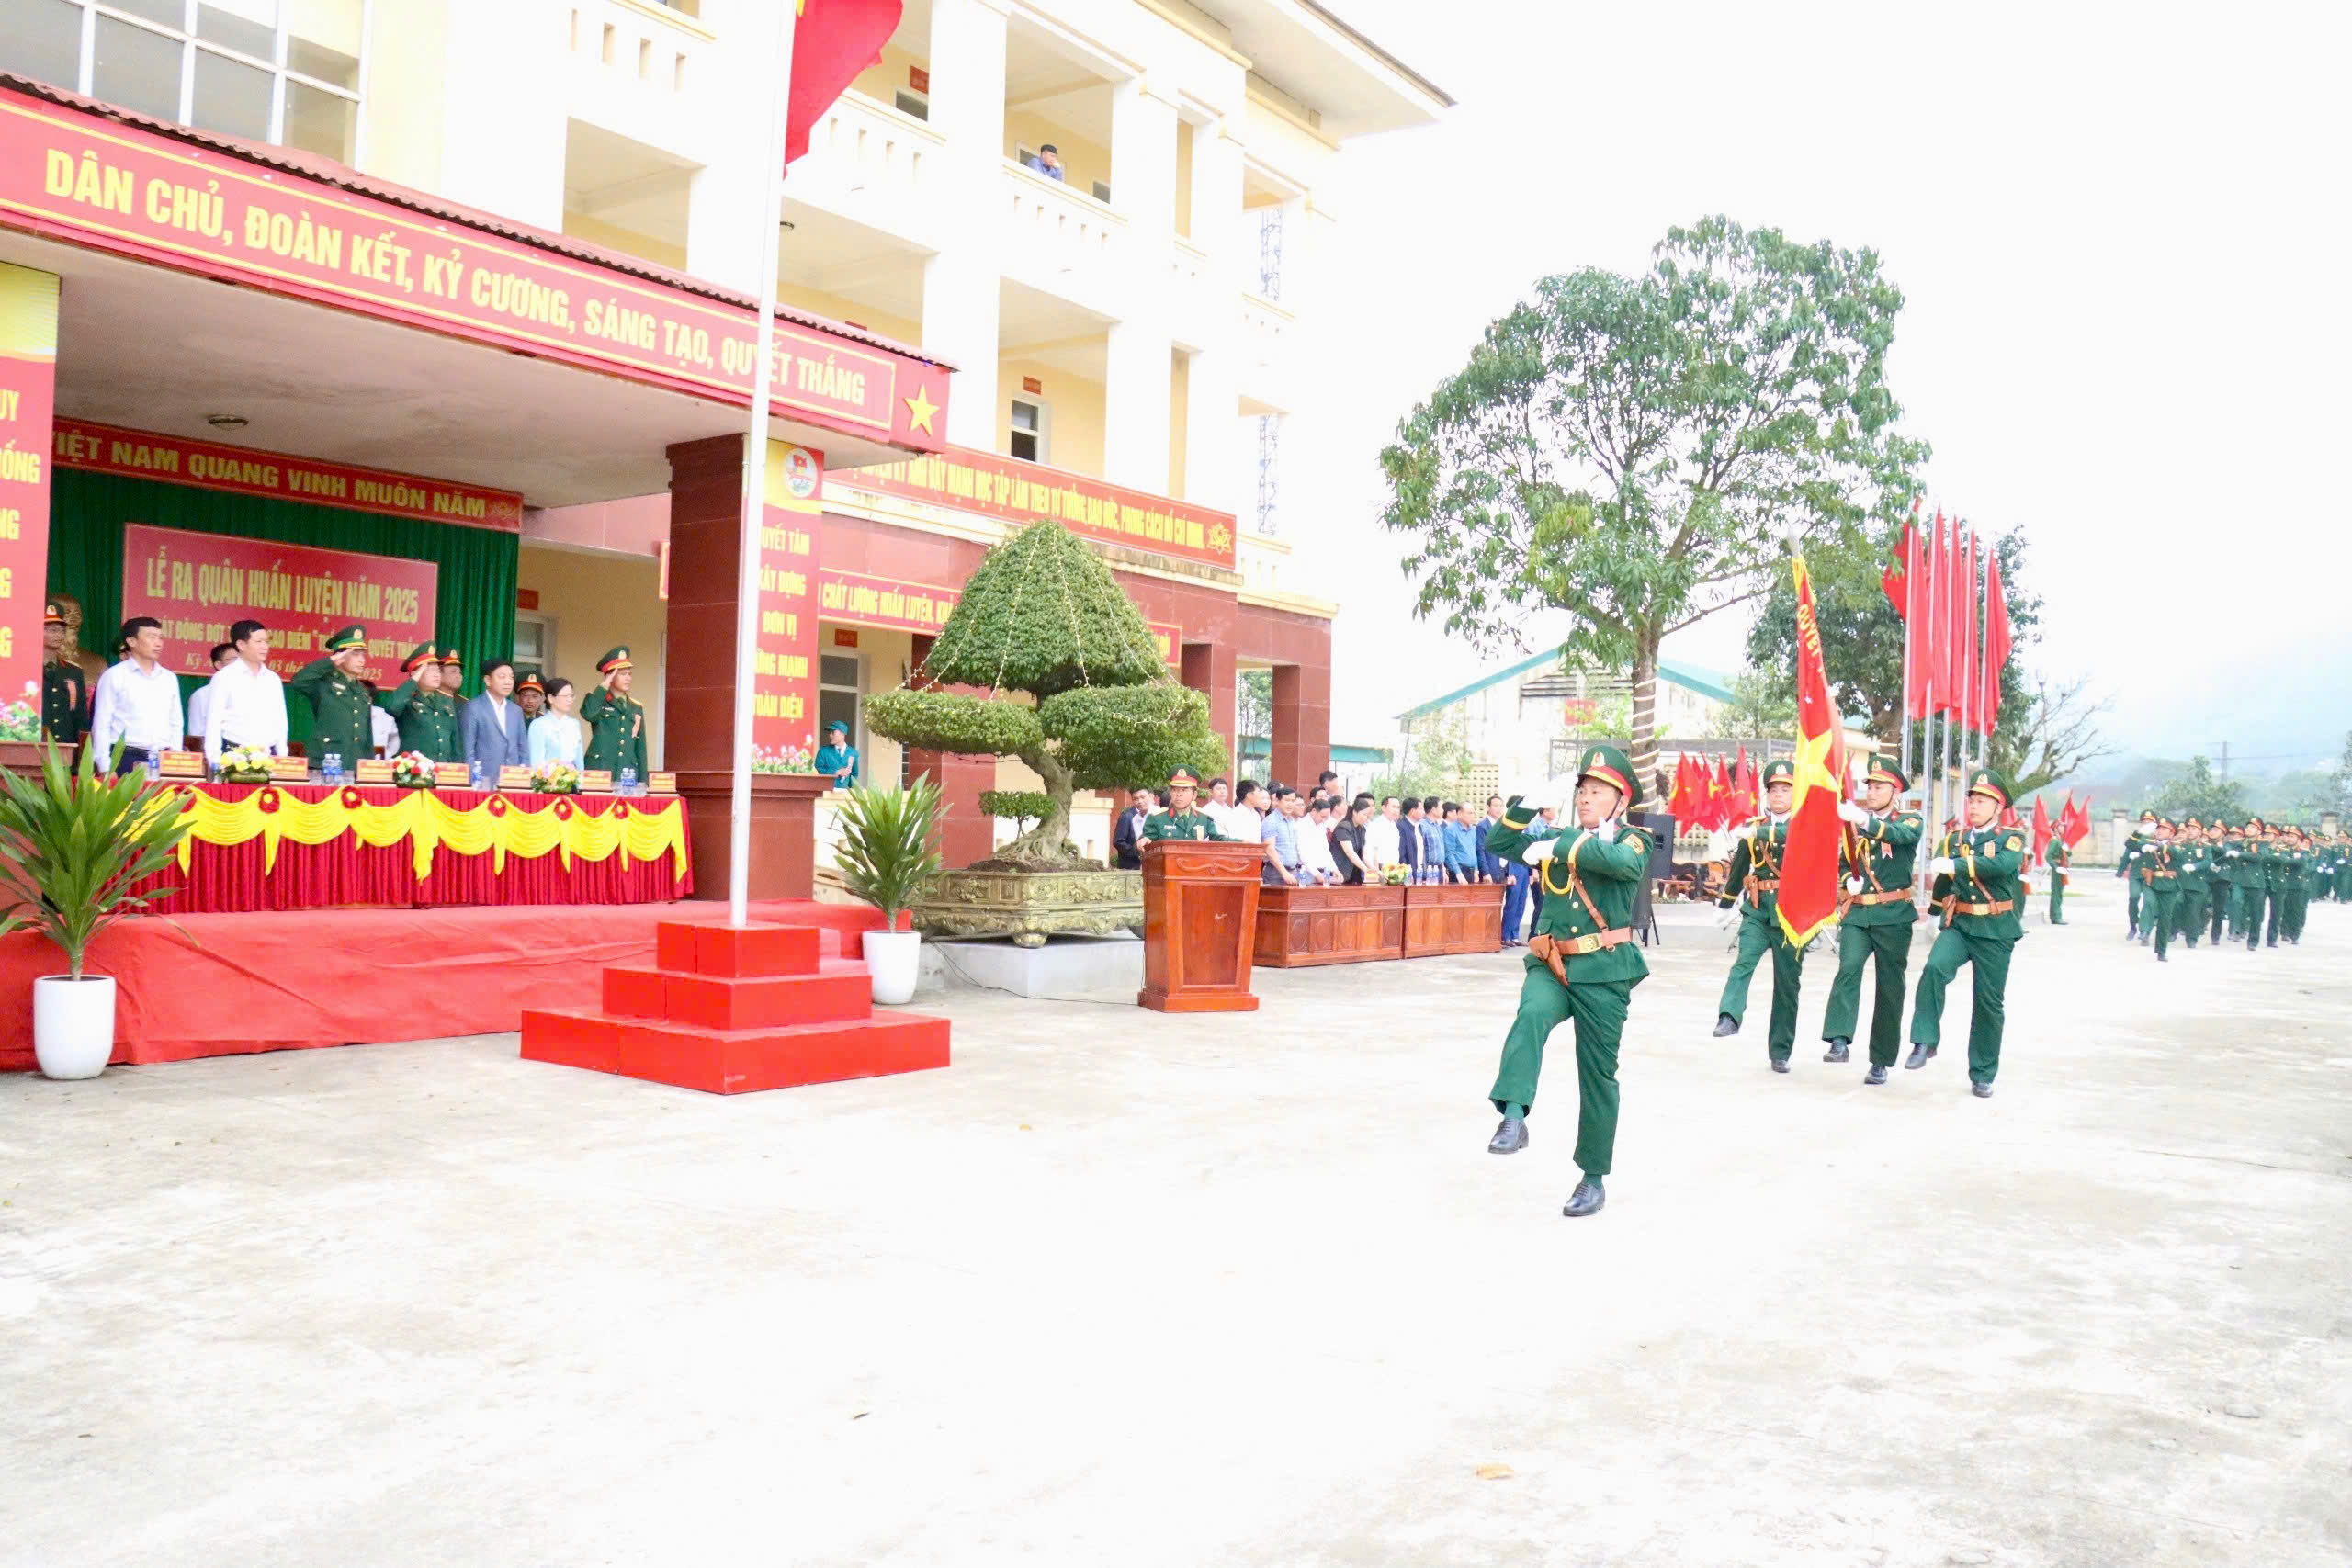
column 1070, row 682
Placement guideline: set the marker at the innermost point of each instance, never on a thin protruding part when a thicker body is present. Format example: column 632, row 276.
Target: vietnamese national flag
column 1809, row 865
column 1742, row 799
column 2042, row 830
column 832, row 40
column 1900, row 573
column 1718, row 805
column 2081, row 826
column 1678, row 804
column 1996, row 639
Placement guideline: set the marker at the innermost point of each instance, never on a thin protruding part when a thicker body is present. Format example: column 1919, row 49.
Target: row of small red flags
column 1933, row 583
column 1712, row 793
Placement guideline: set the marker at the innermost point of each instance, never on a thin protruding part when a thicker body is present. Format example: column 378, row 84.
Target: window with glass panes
column 281, row 70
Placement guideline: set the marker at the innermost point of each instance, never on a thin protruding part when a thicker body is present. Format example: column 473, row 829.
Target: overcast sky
column 2122, row 234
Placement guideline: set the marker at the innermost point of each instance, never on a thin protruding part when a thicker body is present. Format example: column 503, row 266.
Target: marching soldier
column 339, row 723
column 2344, row 871
column 2059, row 858
column 2221, row 879
column 1753, row 888
column 2254, row 883
column 64, row 687
column 1877, row 920
column 428, row 722
column 2123, row 859
column 1582, row 962
column 1977, row 874
column 2191, row 861
column 2156, row 871
column 2277, row 871
column 1181, row 819
column 615, row 723
column 2299, row 881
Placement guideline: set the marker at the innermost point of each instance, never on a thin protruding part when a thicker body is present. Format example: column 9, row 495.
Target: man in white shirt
column 1383, row 837
column 137, row 702
column 199, row 704
column 248, row 705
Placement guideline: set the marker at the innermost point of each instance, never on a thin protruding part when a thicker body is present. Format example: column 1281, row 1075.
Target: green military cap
column 349, row 637
column 450, row 659
column 418, row 658
column 1780, row 771
column 1985, row 781
column 54, row 615
column 837, row 727
column 1613, row 768
column 2147, row 816
column 2252, row 823
column 614, row 658
column 1886, row 772
column 1183, row 776
column 528, row 680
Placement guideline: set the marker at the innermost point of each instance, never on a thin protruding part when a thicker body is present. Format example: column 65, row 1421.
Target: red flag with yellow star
column 1809, row 867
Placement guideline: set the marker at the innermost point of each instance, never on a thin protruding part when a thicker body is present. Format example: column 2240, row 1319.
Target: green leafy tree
column 2299, row 794
column 2342, row 781
column 2197, row 792
column 1069, row 679
column 1434, row 759
column 1635, row 451
column 1762, row 705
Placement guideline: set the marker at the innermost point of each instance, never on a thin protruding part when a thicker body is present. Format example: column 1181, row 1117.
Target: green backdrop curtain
column 475, row 590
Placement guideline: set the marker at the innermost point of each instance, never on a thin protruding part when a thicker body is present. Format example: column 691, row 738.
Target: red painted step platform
column 728, row 1009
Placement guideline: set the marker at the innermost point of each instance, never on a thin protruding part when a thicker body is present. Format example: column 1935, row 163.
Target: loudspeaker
column 1659, row 825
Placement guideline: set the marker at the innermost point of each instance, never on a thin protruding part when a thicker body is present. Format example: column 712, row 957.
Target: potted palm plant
column 74, row 842
column 888, row 854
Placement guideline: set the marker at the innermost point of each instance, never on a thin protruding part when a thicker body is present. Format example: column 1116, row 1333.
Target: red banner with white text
column 27, row 398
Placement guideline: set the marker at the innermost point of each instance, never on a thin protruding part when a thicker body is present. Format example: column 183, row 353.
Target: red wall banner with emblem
column 136, row 193
column 199, row 585
column 1017, row 492
column 27, row 398
column 783, row 657
column 144, row 455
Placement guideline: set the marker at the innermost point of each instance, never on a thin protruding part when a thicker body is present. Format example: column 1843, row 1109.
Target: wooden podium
column 1200, row 924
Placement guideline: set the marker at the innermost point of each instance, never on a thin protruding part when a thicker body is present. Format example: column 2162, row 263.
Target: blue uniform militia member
column 1581, row 963
column 1753, row 888
column 1978, row 872
column 838, row 757
column 1877, row 918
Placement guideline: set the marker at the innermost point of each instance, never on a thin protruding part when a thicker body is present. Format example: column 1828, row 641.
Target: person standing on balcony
column 1049, row 163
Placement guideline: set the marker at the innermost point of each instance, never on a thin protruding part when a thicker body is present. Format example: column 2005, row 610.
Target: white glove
column 1728, row 918
column 1745, row 831
column 1539, row 851
column 1853, row 884
column 1940, row 866
column 1850, row 812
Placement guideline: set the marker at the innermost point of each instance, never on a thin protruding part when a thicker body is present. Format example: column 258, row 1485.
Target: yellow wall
column 1180, row 381
column 1073, row 418
column 1184, row 178
column 885, row 655
column 628, row 241
column 844, row 310
column 882, row 80
column 1083, row 162
column 597, row 601
column 406, row 74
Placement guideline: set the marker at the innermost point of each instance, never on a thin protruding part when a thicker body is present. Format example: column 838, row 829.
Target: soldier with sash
column 1752, row 889
column 1977, row 873
column 1876, row 920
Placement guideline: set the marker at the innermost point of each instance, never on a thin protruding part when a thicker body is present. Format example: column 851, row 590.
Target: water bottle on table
column 628, row 781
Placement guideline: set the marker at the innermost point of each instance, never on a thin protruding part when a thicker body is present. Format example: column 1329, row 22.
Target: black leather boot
column 1837, row 1051
column 1726, row 1025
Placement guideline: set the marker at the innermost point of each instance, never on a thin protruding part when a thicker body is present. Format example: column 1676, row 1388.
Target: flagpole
column 1984, row 671
column 755, row 474
column 1910, row 588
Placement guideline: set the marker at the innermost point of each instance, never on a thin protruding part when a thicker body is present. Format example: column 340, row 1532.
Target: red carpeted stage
column 220, row 985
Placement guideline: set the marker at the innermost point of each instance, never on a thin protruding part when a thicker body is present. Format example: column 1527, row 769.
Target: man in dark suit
column 492, row 724
column 1490, row 864
column 1126, row 834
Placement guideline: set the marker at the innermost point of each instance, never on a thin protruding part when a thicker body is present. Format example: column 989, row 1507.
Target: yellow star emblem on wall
column 920, row 408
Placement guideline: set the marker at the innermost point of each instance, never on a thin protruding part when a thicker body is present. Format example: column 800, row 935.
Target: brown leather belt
column 2158, row 876
column 1553, row 951
column 1890, row 895
column 1999, row 907
column 1761, row 883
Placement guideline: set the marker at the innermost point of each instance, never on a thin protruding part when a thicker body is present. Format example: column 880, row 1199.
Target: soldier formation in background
column 2253, row 882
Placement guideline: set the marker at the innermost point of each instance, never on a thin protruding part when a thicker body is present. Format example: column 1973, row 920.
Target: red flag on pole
column 1895, row 580
column 1678, row 804
column 1933, row 635
column 1970, row 697
column 1741, row 805
column 2081, row 827
column 1809, row 865
column 2041, row 828
column 832, row 40
column 1947, row 675
column 1996, row 639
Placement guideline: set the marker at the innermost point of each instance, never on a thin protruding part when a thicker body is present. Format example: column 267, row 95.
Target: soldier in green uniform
column 1582, row 962
column 428, row 720
column 616, row 722
column 453, row 681
column 2059, row 857
column 2299, row 882
column 2221, row 879
column 1977, row 872
column 2156, row 871
column 2131, row 893
column 339, row 723
column 2191, row 861
column 2343, row 870
column 1753, row 889
column 64, row 689
column 2277, row 870
column 2254, row 883
column 1878, row 916
column 1181, row 820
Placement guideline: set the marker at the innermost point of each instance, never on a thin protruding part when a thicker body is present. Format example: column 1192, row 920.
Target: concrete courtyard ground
column 1125, row 1288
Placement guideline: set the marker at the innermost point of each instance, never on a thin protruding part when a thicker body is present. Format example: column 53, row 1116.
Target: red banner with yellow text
column 199, row 585
column 1018, row 492
column 783, row 668
column 27, row 399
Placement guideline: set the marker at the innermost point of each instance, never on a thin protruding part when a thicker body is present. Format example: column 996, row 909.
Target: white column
column 1140, row 370
column 960, row 290
column 1217, row 227
column 1216, row 467
column 1219, row 459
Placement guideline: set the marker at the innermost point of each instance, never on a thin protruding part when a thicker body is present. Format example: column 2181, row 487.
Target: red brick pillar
column 968, row 833
column 1302, row 722
column 1209, row 668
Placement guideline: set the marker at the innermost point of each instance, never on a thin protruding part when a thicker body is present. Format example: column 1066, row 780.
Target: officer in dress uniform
column 1976, row 872
column 427, row 720
column 1753, row 888
column 2299, row 881
column 339, row 723
column 1582, row 962
column 1877, row 917
column 2155, row 871
column 2059, row 857
column 616, row 722
column 2195, row 864
column 2253, row 882
column 1179, row 820
column 64, row 688
column 453, row 681
column 2221, row 879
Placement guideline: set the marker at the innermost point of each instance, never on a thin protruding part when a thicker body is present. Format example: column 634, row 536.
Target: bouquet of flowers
column 413, row 770
column 243, row 764
column 554, row 778
column 1396, row 875
column 783, row 759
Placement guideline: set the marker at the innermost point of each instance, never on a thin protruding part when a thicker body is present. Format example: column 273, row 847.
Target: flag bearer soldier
column 1878, row 918
column 1977, row 874
column 2141, row 835
column 1753, row 888
column 64, row 687
column 2155, row 867
column 2194, row 864
column 1581, row 963
column 2059, row 857
column 427, row 721
column 1182, row 819
column 616, row 722
column 339, row 723
column 2221, row 879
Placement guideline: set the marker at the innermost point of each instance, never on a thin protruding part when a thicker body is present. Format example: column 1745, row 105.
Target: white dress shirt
column 139, row 708
column 1380, row 842
column 198, row 705
column 1315, row 846
column 248, row 708
column 385, row 731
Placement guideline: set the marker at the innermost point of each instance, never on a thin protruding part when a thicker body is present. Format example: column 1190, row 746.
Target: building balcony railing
column 635, row 62
column 870, row 162
column 1053, row 232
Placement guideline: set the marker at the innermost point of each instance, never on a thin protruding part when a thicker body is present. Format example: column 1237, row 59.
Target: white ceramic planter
column 893, row 958
column 73, row 1025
